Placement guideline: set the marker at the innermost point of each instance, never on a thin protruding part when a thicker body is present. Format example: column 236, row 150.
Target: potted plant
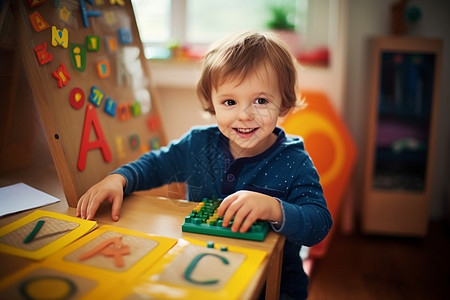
column 281, row 25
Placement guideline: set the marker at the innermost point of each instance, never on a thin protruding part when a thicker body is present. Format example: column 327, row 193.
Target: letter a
column 86, row 145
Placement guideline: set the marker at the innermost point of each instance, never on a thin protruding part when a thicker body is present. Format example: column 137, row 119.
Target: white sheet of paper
column 19, row 197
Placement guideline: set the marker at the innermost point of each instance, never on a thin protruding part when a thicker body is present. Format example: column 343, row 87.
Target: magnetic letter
column 134, row 141
column 62, row 75
column 64, row 14
column 96, row 96
column 123, row 111
column 144, row 148
column 76, row 98
column 87, row 13
column 38, row 22
column 154, row 144
column 136, row 109
column 60, row 37
column 93, row 43
column 125, row 36
column 111, row 44
column 42, row 55
column 119, row 2
column 33, row 3
column 90, row 120
column 153, row 123
column 110, row 107
column 110, row 17
column 78, row 56
column 103, row 70
column 119, row 147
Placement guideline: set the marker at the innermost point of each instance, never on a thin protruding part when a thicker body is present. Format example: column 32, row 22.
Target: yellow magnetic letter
column 60, row 37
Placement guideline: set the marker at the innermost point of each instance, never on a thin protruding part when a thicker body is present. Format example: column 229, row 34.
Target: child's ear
column 284, row 112
column 210, row 109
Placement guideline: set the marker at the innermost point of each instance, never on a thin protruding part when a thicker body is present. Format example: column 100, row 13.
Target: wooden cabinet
column 401, row 135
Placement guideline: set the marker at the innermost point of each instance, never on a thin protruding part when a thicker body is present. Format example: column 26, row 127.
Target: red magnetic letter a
column 86, row 145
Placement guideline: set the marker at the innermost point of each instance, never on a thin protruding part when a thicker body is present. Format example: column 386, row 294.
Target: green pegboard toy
column 203, row 219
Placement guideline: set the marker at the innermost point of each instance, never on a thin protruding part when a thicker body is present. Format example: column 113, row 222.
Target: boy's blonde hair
column 238, row 55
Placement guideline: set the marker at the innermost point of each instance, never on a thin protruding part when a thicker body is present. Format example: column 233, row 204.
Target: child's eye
column 229, row 102
column 261, row 101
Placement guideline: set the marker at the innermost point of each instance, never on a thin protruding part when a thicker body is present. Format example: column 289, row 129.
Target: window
column 153, row 19
column 164, row 24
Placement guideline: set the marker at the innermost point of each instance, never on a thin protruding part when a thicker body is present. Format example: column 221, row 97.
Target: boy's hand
column 247, row 207
column 111, row 189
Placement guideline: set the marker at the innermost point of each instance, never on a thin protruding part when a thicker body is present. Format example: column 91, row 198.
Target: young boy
column 249, row 80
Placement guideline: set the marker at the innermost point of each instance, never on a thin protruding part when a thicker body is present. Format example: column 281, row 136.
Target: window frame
column 177, row 32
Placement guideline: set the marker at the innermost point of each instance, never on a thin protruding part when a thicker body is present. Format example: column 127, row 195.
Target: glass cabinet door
column 403, row 122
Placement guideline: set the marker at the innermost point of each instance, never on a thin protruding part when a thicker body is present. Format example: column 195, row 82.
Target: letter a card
column 197, row 270
column 113, row 252
column 42, row 233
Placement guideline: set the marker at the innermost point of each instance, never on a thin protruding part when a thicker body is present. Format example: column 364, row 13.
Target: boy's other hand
column 111, row 189
column 246, row 207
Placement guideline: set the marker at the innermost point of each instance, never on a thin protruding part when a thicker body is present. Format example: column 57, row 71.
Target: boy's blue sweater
column 285, row 171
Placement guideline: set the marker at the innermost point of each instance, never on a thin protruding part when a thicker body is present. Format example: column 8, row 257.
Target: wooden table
column 164, row 217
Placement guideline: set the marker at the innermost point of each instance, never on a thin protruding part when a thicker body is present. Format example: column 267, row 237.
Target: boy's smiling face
column 247, row 111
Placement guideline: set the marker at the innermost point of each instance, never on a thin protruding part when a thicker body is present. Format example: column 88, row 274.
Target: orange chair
column 332, row 151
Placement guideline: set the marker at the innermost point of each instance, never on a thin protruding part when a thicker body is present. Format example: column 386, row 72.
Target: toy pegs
column 61, row 75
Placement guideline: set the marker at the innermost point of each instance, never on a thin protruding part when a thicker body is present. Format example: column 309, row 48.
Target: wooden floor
column 373, row 267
